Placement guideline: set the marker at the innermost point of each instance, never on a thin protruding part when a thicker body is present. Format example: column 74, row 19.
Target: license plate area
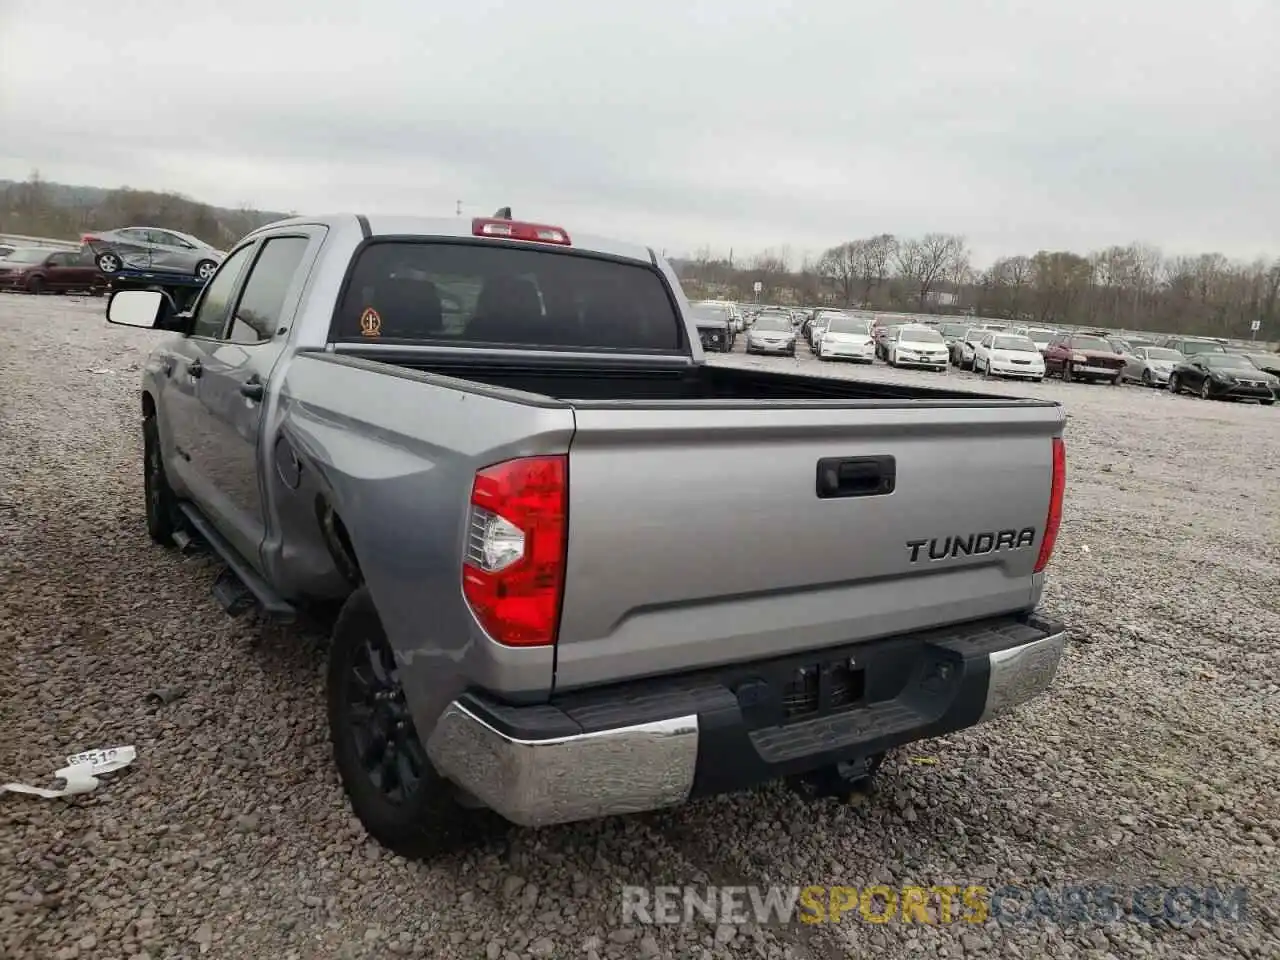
column 798, row 691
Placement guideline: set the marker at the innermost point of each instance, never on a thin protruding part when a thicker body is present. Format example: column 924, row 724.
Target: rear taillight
column 88, row 238
column 513, row 570
column 1057, row 488
column 515, row 230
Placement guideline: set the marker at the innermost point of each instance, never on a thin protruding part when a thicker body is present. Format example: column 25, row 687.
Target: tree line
column 1134, row 286
column 38, row 208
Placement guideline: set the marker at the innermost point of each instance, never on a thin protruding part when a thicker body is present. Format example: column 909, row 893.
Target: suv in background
column 1188, row 346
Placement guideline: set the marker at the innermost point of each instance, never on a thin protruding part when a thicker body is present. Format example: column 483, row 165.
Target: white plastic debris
column 81, row 772
column 1084, row 548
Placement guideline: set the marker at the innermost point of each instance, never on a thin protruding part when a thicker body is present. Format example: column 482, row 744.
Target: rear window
column 489, row 295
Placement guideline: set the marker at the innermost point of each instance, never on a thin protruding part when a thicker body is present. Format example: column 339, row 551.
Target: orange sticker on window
column 370, row 323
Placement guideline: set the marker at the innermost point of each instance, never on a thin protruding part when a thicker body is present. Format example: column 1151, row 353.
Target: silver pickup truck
column 582, row 572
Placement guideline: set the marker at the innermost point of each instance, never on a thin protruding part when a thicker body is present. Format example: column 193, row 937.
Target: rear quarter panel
column 395, row 453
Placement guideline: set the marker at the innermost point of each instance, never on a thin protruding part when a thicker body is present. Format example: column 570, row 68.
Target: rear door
column 233, row 388
column 704, row 535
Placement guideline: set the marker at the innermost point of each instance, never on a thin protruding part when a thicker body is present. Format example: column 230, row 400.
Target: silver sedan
column 1150, row 366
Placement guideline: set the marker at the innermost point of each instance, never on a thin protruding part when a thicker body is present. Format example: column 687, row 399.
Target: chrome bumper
column 1022, row 673
column 540, row 782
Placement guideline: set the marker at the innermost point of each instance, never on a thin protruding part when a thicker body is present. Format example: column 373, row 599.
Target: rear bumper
column 655, row 743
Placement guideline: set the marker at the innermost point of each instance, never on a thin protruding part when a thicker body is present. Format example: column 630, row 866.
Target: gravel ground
column 1153, row 760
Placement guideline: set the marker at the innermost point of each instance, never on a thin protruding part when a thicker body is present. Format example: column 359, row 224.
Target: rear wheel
column 392, row 787
column 1067, row 373
column 35, row 285
column 162, row 505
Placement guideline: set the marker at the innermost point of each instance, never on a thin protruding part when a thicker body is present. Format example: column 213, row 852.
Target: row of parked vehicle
column 106, row 254
column 1212, row 368
column 1202, row 365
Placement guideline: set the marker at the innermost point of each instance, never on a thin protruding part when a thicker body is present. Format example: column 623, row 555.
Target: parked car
column 1083, row 357
column 1151, row 366
column 1224, row 376
column 772, row 333
column 1190, row 346
column 715, row 326
column 961, row 352
column 818, row 326
column 1266, row 362
column 5, row 250
column 1004, row 355
column 153, row 249
column 41, row 270
column 847, row 338
column 951, row 332
column 913, row 346
column 1040, row 336
column 882, row 332
column 550, row 608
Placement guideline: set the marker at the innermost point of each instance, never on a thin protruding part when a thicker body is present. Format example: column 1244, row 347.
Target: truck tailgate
column 698, row 536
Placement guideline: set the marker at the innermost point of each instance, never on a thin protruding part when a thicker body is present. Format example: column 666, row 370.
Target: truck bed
column 721, row 515
column 595, row 383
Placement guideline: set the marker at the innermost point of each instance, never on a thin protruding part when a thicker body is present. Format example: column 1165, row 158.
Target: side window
column 211, row 312
column 987, row 340
column 257, row 315
column 59, row 260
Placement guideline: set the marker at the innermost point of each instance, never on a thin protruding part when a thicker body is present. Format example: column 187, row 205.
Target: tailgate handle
column 856, row 477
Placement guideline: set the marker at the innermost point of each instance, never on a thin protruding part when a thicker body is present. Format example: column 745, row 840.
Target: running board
column 272, row 604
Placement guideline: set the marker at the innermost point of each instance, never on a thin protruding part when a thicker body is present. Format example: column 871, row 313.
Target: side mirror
column 139, row 308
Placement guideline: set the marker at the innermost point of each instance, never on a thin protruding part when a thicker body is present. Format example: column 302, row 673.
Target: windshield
column 402, row 290
column 1014, row 343
column 1163, row 353
column 954, row 329
column 1091, row 343
column 919, row 335
column 849, row 325
column 28, row 255
column 1231, row 360
column 1041, row 336
column 774, row 321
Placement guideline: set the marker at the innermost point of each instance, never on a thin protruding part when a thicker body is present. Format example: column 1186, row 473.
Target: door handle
column 195, row 369
column 253, row 389
column 840, row 477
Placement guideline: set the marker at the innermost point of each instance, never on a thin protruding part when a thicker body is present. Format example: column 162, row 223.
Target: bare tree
column 928, row 260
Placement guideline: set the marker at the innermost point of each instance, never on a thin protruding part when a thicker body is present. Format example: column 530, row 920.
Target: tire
column 986, row 370
column 1114, row 381
column 205, row 269
column 1204, row 389
column 421, row 819
column 1146, row 377
column 1268, row 403
column 1175, row 384
column 1068, row 375
column 108, row 262
column 1039, row 379
column 35, row 286
column 161, row 504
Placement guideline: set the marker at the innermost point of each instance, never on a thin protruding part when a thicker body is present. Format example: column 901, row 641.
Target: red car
column 1082, row 357
column 40, row 270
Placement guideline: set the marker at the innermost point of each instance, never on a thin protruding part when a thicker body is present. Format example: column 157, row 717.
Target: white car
column 1040, row 336
column 1006, row 355
column 917, row 347
column 847, row 338
column 966, row 345
column 1151, row 365
column 818, row 326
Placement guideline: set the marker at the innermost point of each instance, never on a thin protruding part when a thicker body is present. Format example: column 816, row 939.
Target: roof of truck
column 406, row 226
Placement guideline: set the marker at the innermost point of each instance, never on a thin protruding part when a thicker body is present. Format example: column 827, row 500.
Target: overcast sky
column 1022, row 125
